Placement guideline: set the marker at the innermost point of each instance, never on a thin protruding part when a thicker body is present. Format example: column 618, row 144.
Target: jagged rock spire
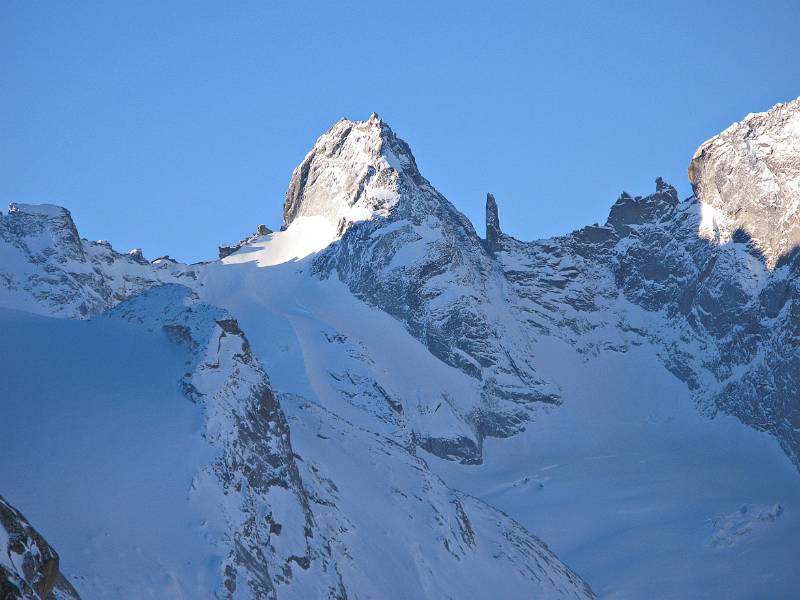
column 493, row 231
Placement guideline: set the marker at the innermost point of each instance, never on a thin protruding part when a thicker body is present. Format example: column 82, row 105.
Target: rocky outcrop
column 748, row 178
column 628, row 211
column 261, row 231
column 137, row 256
column 29, row 566
column 351, row 174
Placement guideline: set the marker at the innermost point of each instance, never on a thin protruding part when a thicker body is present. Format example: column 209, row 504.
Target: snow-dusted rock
column 493, row 231
column 350, row 174
column 226, row 250
column 748, row 178
column 28, row 564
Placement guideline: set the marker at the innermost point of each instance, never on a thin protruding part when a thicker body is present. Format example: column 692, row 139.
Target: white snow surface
column 306, row 235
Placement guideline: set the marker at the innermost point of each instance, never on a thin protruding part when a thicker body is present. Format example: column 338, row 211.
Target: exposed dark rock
column 28, row 564
column 137, row 256
column 493, row 232
column 261, row 231
column 650, row 209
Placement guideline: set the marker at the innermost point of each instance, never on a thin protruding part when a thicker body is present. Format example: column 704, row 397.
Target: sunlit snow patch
column 305, row 236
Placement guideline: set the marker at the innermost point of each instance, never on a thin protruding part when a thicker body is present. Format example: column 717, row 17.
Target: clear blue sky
column 174, row 126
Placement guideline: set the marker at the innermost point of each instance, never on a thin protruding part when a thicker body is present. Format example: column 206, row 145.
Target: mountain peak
column 352, row 173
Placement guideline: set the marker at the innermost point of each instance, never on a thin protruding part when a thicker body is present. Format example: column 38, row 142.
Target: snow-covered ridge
column 47, row 268
column 44, row 210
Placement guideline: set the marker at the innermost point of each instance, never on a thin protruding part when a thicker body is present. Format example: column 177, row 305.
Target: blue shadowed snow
column 104, row 463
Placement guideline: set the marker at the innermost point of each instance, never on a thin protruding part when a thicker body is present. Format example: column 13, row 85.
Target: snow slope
column 639, row 492
column 102, row 453
column 194, row 490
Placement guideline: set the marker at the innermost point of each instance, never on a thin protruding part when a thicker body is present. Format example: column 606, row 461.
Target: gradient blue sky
column 174, row 126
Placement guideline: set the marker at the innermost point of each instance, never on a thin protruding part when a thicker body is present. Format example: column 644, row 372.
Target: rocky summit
column 377, row 401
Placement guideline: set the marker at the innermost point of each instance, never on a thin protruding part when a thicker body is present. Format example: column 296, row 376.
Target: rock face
column 350, row 174
column 748, row 178
column 28, row 564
